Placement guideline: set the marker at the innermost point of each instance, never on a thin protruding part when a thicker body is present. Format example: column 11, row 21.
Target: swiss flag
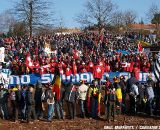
column 98, row 72
column 68, row 71
column 140, row 48
column 126, row 66
column 29, row 62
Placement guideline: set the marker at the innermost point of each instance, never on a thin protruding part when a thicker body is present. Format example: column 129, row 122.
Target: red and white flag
column 140, row 48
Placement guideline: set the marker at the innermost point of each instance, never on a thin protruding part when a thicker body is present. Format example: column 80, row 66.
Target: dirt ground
column 83, row 124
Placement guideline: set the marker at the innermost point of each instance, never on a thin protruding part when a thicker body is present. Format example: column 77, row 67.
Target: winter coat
column 30, row 100
column 71, row 93
column 82, row 90
column 149, row 89
column 3, row 95
column 49, row 97
column 130, row 82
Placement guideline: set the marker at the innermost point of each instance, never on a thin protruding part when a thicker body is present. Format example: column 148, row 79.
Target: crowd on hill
column 78, row 53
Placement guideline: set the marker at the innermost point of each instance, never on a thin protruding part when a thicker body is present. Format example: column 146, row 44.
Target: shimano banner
column 46, row 78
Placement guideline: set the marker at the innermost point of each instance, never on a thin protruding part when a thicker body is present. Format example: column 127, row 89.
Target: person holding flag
column 59, row 93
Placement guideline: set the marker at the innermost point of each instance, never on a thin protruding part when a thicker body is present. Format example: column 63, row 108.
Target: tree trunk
column 30, row 18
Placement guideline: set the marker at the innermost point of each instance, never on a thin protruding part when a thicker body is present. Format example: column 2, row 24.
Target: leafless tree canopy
column 7, row 20
column 34, row 13
column 129, row 17
column 96, row 12
column 117, row 19
column 152, row 11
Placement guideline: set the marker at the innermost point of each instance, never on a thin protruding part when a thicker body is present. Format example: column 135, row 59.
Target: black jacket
column 71, row 93
column 130, row 82
column 30, row 98
column 4, row 96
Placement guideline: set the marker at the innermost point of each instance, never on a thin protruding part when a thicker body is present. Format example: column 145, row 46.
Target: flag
column 98, row 72
column 57, row 87
column 157, row 68
column 140, row 48
column 29, row 62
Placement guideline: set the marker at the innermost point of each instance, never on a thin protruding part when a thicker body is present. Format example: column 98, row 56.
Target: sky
column 68, row 9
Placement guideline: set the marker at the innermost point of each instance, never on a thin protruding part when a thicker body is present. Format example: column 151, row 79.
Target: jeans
column 31, row 112
column 83, row 108
column 111, row 110
column 39, row 110
column 132, row 104
column 59, row 108
column 50, row 111
column 4, row 110
column 72, row 109
column 150, row 106
column 94, row 107
column 23, row 111
column 14, row 110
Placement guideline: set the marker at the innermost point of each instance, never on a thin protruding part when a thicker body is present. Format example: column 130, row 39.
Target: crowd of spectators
column 83, row 51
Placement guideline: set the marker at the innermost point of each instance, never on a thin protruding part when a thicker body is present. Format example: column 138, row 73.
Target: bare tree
column 60, row 24
column 35, row 13
column 117, row 19
column 129, row 18
column 152, row 11
column 17, row 29
column 7, row 20
column 96, row 12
